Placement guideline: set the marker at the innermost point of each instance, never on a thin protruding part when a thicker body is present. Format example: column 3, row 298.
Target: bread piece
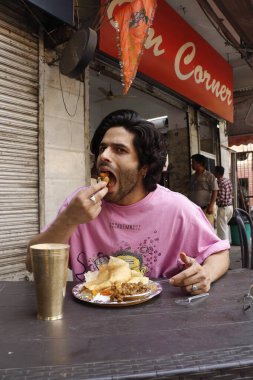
column 103, row 176
column 116, row 270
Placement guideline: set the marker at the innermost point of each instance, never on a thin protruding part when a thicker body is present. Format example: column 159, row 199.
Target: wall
column 193, row 131
column 225, row 151
column 179, row 160
column 63, row 139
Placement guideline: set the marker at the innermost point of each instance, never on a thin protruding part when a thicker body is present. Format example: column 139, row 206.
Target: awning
column 241, row 131
column 239, row 140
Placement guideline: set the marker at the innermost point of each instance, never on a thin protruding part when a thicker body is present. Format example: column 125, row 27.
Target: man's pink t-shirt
column 149, row 234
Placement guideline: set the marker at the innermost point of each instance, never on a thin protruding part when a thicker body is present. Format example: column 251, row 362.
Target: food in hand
column 103, row 176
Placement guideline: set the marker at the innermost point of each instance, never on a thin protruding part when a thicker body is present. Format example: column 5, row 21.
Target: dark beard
column 127, row 181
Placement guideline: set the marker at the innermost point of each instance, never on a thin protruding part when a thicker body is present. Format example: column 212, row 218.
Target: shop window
column 207, row 134
column 210, row 164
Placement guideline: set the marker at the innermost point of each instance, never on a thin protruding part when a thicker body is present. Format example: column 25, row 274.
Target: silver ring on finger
column 194, row 287
column 92, row 198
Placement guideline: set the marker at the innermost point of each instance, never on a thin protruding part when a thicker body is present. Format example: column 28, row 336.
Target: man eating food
column 160, row 232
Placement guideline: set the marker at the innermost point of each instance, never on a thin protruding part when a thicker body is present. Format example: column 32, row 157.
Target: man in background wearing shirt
column 203, row 187
column 224, row 203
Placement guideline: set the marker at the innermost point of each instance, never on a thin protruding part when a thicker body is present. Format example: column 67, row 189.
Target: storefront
column 47, row 119
column 179, row 76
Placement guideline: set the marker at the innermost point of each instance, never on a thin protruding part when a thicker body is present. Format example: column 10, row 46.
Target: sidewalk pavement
column 235, row 257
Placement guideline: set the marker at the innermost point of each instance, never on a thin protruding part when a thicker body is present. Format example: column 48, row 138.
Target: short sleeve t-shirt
column 149, row 234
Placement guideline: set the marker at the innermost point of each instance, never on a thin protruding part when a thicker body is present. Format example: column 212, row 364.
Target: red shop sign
column 179, row 58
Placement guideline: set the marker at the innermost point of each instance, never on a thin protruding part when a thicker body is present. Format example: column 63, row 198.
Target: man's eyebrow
column 120, row 145
column 115, row 145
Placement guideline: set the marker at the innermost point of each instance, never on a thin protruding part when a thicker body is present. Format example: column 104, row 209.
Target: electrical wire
column 38, row 21
column 64, row 102
column 242, row 51
column 101, row 15
column 77, row 13
column 79, row 91
column 216, row 27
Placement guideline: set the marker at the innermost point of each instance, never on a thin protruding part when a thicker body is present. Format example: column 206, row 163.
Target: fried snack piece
column 104, row 176
column 116, row 270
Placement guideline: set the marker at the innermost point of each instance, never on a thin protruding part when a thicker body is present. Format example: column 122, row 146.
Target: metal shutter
column 19, row 78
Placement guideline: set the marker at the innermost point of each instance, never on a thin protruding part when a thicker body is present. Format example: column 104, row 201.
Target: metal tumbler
column 50, row 267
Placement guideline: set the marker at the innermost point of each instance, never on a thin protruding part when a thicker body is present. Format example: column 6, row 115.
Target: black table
column 209, row 339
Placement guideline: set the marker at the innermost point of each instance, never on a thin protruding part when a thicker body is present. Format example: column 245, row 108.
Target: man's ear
column 144, row 170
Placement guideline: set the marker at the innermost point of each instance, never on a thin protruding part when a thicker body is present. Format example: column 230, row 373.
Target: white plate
column 80, row 292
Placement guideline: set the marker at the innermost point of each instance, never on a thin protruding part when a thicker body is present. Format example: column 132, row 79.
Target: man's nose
column 106, row 154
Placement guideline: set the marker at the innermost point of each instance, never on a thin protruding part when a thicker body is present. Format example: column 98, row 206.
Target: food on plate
column 120, row 292
column 103, row 176
column 116, row 280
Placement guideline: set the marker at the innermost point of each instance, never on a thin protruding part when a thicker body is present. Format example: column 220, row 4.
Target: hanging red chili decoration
column 132, row 21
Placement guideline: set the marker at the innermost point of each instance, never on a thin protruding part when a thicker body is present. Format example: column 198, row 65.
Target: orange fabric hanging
column 132, row 23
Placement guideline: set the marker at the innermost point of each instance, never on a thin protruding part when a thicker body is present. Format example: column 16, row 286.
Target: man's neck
column 133, row 197
column 200, row 171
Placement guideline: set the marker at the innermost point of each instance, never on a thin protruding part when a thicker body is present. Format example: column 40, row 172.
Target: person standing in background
column 203, row 187
column 224, row 203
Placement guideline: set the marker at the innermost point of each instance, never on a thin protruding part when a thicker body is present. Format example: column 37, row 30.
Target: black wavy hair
column 148, row 142
column 220, row 170
column 199, row 158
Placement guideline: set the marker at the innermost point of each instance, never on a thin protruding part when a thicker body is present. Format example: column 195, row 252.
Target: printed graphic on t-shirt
column 99, row 260
column 125, row 226
column 81, row 260
column 133, row 259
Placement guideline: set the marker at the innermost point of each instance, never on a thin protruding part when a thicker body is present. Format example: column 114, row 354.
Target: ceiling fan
column 109, row 94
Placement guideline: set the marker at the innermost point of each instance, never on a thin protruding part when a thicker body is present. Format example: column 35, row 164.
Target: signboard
column 179, row 58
